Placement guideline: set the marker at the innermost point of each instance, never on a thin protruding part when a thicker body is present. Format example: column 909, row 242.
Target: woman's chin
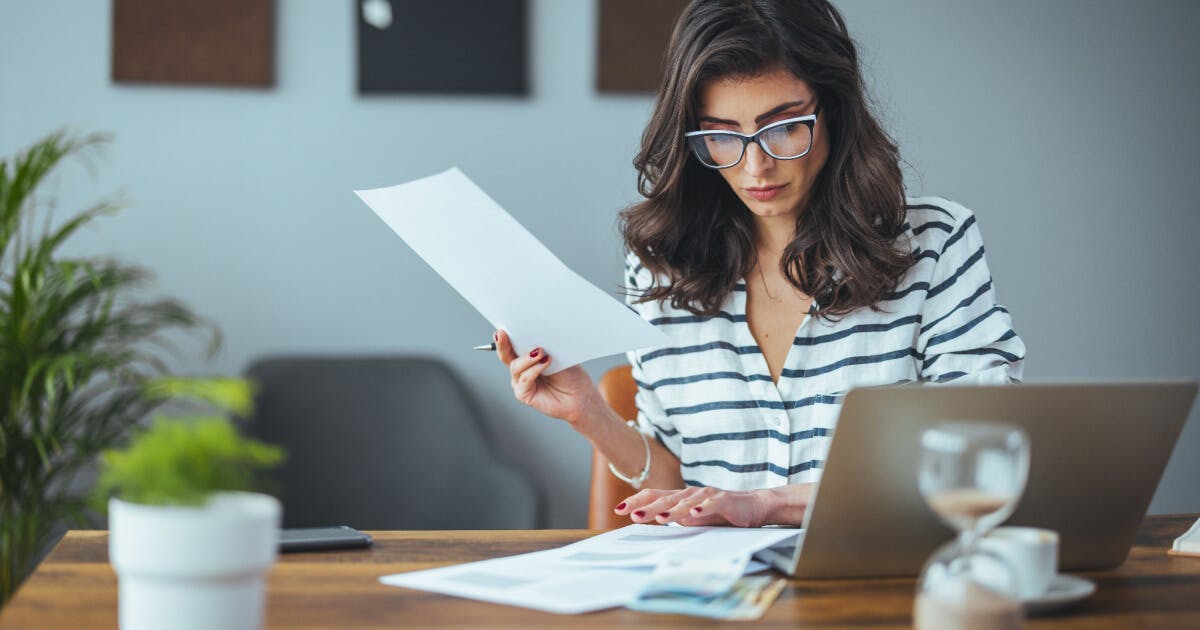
column 769, row 209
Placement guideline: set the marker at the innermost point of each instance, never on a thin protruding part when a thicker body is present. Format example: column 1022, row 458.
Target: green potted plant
column 190, row 545
column 78, row 344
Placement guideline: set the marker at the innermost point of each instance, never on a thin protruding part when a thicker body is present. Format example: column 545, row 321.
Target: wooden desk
column 76, row 588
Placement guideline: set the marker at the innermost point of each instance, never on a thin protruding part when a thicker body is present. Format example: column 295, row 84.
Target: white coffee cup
column 1031, row 552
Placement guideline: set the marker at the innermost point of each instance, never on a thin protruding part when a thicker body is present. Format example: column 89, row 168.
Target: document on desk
column 593, row 574
column 506, row 273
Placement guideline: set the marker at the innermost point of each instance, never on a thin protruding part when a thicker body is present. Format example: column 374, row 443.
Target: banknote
column 748, row 598
column 691, row 576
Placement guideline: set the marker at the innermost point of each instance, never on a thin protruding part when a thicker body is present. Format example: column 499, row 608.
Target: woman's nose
column 756, row 160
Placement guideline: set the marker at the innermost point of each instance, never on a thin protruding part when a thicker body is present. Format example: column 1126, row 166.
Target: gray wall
column 1067, row 126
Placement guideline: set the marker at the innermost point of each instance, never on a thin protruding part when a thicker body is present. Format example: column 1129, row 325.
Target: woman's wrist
column 786, row 505
column 591, row 413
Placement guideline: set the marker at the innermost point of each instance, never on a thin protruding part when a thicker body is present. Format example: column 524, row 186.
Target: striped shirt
column 708, row 395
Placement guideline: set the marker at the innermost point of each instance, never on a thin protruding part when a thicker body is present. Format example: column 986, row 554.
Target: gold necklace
column 774, row 299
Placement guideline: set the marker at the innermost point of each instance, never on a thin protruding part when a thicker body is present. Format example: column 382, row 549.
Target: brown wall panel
column 633, row 42
column 214, row 42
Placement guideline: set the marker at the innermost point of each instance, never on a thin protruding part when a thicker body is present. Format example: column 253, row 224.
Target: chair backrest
column 384, row 443
column 618, row 389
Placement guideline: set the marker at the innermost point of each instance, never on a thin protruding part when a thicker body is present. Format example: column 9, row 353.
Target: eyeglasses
column 784, row 140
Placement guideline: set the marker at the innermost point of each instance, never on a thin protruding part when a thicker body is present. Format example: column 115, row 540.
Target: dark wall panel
column 442, row 46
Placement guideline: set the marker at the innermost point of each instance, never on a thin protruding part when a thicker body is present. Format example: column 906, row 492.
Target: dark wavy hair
column 694, row 231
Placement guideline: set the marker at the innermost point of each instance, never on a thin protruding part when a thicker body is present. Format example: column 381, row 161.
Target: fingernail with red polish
column 639, row 514
column 664, row 514
column 544, row 359
column 621, row 507
column 496, row 336
column 697, row 509
column 533, row 355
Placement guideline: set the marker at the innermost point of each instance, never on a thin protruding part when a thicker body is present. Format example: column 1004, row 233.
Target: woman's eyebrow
column 719, row 121
column 775, row 110
column 757, row 119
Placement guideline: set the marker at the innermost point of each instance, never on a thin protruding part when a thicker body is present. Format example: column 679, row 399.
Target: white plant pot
column 180, row 568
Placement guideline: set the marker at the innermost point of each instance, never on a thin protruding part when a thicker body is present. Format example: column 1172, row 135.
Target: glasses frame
column 809, row 121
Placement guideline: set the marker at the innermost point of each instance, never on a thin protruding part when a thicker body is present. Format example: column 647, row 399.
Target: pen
column 487, row 347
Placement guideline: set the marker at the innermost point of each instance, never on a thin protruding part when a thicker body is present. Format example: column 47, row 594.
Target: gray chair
column 384, row 443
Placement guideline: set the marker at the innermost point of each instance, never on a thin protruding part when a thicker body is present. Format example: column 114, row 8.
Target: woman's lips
column 764, row 193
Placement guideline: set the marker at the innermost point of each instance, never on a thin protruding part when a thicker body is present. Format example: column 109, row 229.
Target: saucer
column 1063, row 591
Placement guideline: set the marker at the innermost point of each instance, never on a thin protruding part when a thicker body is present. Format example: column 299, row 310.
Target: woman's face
column 768, row 186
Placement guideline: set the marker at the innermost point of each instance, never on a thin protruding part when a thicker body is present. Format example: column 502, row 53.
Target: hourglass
column 971, row 475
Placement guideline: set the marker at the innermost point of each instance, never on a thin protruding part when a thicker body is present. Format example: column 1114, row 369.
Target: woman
column 777, row 250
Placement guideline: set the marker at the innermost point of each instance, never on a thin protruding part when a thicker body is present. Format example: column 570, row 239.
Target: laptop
column 1097, row 452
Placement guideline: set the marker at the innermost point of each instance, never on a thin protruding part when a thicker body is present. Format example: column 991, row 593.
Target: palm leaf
column 78, row 345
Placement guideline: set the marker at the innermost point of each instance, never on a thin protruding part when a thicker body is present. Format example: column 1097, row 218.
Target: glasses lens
column 717, row 150
column 789, row 140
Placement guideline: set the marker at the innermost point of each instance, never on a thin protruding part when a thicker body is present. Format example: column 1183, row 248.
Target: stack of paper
column 1189, row 543
column 601, row 572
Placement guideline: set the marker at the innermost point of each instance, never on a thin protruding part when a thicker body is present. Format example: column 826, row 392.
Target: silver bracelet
column 637, row 481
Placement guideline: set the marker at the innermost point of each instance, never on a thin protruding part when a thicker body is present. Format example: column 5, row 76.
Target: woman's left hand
column 711, row 506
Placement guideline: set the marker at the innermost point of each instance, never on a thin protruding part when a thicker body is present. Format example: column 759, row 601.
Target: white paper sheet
column 536, row 580
column 506, row 273
column 600, row 572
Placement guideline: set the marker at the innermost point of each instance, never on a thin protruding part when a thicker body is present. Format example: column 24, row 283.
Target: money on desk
column 748, row 598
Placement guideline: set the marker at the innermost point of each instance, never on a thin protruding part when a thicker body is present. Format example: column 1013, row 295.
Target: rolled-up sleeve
column 965, row 336
column 651, row 418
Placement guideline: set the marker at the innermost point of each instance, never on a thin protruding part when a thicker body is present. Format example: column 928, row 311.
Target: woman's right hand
column 568, row 394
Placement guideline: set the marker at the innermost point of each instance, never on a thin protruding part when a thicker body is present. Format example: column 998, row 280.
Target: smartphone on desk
column 321, row 538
